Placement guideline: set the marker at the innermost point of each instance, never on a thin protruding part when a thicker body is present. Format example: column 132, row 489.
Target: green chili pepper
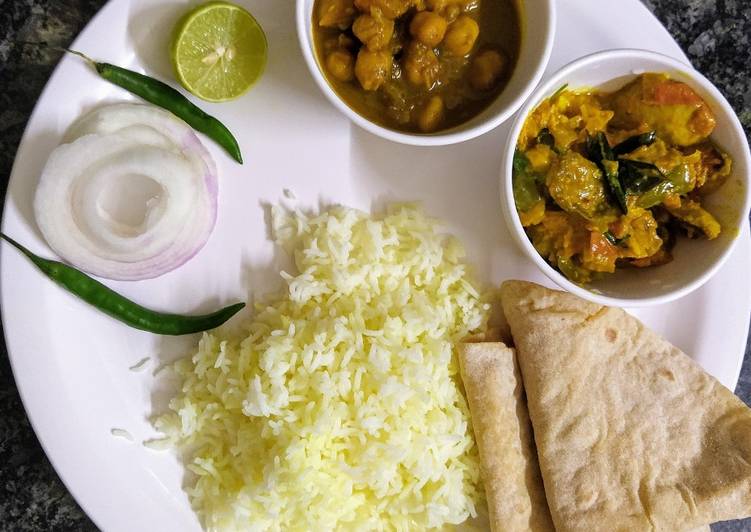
column 677, row 181
column 638, row 176
column 120, row 308
column 524, row 180
column 572, row 271
column 160, row 94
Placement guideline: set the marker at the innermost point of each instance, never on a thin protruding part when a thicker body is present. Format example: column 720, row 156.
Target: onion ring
column 113, row 155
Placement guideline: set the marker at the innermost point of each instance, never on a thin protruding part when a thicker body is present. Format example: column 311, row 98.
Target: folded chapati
column 511, row 475
column 631, row 433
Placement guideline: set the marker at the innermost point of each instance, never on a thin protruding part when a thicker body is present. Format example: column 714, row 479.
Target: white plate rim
column 32, row 120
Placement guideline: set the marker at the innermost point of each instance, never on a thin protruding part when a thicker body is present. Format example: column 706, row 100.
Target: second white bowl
column 695, row 261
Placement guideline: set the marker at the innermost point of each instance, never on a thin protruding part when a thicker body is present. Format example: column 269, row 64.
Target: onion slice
column 131, row 195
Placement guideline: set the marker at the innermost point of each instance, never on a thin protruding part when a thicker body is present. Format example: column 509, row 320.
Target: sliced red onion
column 131, row 195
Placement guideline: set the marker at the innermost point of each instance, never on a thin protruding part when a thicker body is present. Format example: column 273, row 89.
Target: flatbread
column 510, row 473
column 497, row 329
column 497, row 319
column 631, row 433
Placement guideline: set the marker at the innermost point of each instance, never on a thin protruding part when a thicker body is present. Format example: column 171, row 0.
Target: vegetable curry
column 607, row 180
column 417, row 65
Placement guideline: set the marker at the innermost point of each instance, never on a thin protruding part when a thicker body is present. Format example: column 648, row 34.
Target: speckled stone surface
column 716, row 35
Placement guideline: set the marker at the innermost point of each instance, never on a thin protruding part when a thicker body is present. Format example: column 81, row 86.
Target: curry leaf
column 632, row 143
column 599, row 152
column 559, row 91
column 610, row 237
column 598, row 148
column 545, row 137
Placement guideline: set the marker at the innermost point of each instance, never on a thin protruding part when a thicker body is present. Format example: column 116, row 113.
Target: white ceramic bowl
column 538, row 31
column 695, row 261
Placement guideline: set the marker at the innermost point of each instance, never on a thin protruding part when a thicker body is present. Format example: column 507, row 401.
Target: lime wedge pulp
column 218, row 51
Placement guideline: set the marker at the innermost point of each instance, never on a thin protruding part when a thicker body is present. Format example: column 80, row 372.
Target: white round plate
column 71, row 362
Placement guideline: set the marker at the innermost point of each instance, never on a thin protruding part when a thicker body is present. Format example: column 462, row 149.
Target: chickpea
column 431, row 115
column 336, row 13
column 341, row 65
column 421, row 65
column 428, row 28
column 330, row 44
column 439, row 6
column 390, row 8
column 344, row 41
column 486, row 69
column 461, row 36
column 372, row 68
column 340, row 42
column 373, row 32
column 452, row 12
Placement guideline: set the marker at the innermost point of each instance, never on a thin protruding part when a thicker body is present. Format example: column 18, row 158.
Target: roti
column 508, row 460
column 631, row 433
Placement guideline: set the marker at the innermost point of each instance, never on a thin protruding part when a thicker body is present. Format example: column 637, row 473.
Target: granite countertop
column 715, row 34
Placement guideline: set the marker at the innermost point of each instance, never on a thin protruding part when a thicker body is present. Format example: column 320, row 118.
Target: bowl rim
column 506, row 189
column 302, row 16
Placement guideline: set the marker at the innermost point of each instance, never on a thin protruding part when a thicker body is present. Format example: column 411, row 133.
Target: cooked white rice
column 140, row 365
column 121, row 433
column 339, row 408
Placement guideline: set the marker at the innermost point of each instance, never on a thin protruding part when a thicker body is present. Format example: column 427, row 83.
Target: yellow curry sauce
column 608, row 180
column 417, row 65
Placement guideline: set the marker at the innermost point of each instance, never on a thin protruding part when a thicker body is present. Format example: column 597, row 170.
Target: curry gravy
column 451, row 94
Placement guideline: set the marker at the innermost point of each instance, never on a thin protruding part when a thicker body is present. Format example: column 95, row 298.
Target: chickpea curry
column 609, row 180
column 417, row 65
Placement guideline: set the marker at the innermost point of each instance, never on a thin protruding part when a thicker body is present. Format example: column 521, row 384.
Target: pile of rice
column 340, row 406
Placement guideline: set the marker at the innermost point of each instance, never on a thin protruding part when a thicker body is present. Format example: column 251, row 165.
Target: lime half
column 218, row 51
